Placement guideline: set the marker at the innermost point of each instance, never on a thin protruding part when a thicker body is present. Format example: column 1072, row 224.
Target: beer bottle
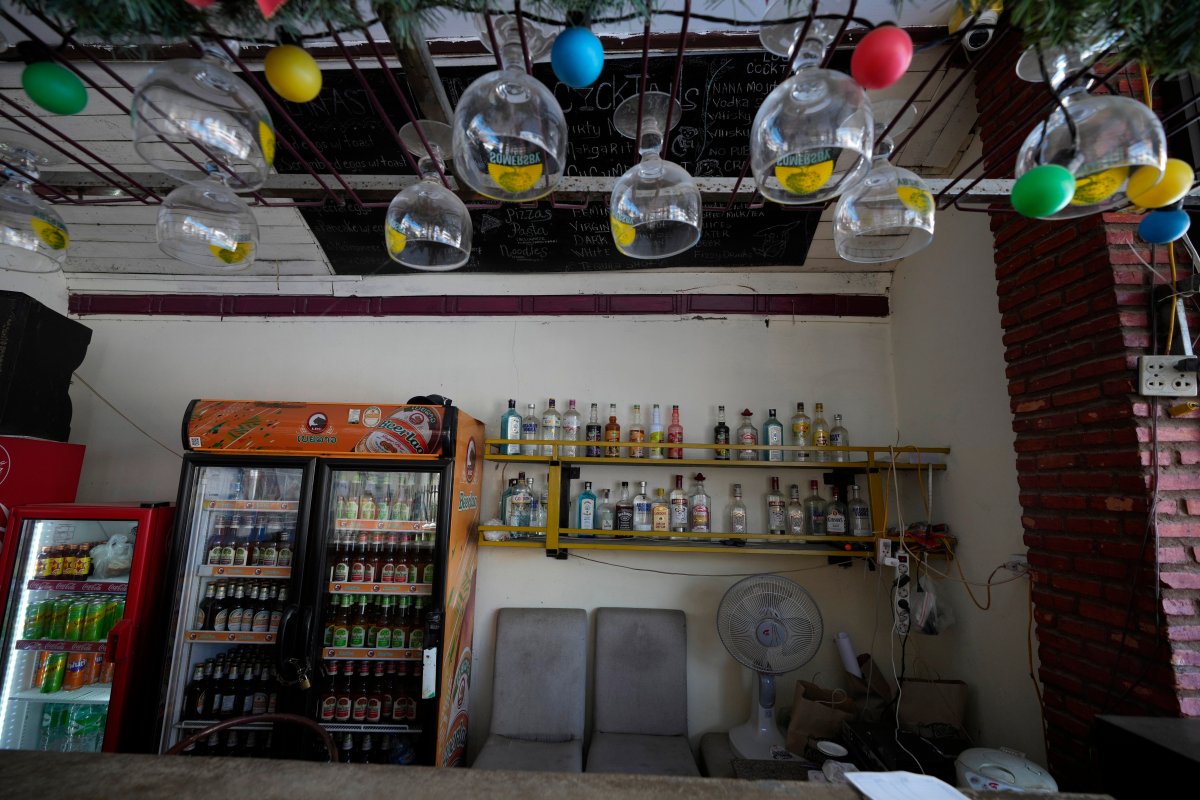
column 268, row 552
column 416, row 633
column 383, row 630
column 358, row 624
column 358, row 560
column 384, row 509
column 250, row 747
column 207, row 711
column 262, row 611
column 330, row 620
column 366, row 509
column 211, row 747
column 219, row 687
column 403, row 559
column 358, row 694
column 241, row 546
column 248, row 690
column 373, row 622
column 327, row 706
column 195, row 698
column 204, row 620
column 272, row 690
column 216, row 540
column 220, row 609
column 387, row 563
column 346, row 749
column 339, row 568
column 344, row 709
column 232, row 747
column 387, row 692
column 367, row 756
column 277, row 606
column 261, row 692
column 375, row 561
column 375, row 695
column 227, row 538
column 249, row 607
column 401, row 623
column 284, row 549
column 236, row 608
column 341, row 621
column 397, row 688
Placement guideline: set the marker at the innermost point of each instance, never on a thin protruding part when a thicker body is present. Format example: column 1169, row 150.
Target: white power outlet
column 1161, row 377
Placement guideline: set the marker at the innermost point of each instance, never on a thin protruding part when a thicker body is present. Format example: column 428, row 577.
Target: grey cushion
column 539, row 683
column 501, row 752
column 640, row 683
column 634, row 753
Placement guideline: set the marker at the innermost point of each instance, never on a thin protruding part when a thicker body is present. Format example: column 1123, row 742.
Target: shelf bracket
column 559, row 554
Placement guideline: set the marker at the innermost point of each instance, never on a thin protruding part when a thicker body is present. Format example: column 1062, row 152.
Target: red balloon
column 882, row 57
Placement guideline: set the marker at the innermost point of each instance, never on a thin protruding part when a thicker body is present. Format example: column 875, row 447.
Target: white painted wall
column 950, row 386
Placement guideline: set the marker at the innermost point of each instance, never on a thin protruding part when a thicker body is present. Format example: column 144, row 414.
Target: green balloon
column 54, row 87
column 1043, row 191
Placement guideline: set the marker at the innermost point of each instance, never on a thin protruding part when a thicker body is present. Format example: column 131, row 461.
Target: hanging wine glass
column 510, row 136
column 428, row 227
column 208, row 225
column 1100, row 139
column 193, row 118
column 655, row 208
column 33, row 236
column 811, row 139
column 889, row 214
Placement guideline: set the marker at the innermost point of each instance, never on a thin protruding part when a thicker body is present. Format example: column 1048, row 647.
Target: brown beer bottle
column 359, row 694
column 375, row 695
column 345, row 704
column 327, row 705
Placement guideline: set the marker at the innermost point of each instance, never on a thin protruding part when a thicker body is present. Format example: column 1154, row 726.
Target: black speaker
column 39, row 349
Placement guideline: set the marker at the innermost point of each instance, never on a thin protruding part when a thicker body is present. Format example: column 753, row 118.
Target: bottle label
column 341, row 636
column 329, row 629
column 593, row 433
column 817, row 522
column 234, row 621
column 636, row 435
column 775, row 516
column 398, row 637
column 822, row 439
column 835, row 523
column 357, row 572
column 401, row 575
column 383, row 639
column 796, row 522
column 679, row 513
column 387, row 573
column 220, row 620
column 655, row 438
column 262, row 621
column 721, row 436
column 241, row 556
column 428, row 576
column 270, row 555
column 358, row 636
column 749, row 436
column 358, row 712
column 214, row 555
column 284, row 558
column 398, row 710
column 276, row 617
column 227, row 556
column 700, row 518
column 675, row 436
column 837, row 439
column 374, row 709
column 512, row 430
column 328, row 708
column 860, row 520
column 587, row 513
column 227, row 705
column 660, row 518
column 341, row 572
column 416, row 639
column 198, row 621
column 201, row 704
column 800, row 433
column 737, row 520
column 624, row 518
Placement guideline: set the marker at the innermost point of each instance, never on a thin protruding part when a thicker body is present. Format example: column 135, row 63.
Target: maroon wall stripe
column 574, row 305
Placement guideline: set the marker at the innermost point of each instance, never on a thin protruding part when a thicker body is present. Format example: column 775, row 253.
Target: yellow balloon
column 292, row 73
column 1148, row 188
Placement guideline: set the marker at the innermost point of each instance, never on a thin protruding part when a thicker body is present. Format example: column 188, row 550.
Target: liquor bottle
column 520, row 507
column 772, row 434
column 510, row 428
column 860, row 514
column 505, row 497
column 700, row 508
column 747, row 434
column 660, row 512
column 195, row 697
column 776, row 512
column 570, row 431
column 608, row 515
column 594, row 432
column 801, row 426
column 624, row 518
column 814, row 511
column 585, row 514
column 612, row 433
column 637, row 433
column 656, row 432
column 641, row 509
column 839, row 437
column 679, row 507
column 721, row 435
column 836, row 516
column 820, row 433
column 551, row 427
column 204, row 618
column 541, row 509
column 737, row 514
column 531, row 428
column 675, row 434
column 795, row 513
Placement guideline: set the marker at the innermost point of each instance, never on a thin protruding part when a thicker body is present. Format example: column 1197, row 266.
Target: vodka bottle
column 795, row 513
column 814, row 511
column 510, row 428
column 836, row 516
column 641, row 509
column 504, row 498
column 801, row 428
column 520, row 507
column 839, row 437
column 594, row 433
column 612, row 433
column 747, row 434
column 656, row 432
column 820, row 433
column 701, row 505
column 585, row 510
column 531, row 428
column 737, row 513
column 660, row 512
column 679, row 507
column 772, row 434
column 624, row 509
column 608, row 515
column 721, row 436
column 570, row 431
column 776, row 511
column 675, row 434
column 637, row 433
column 551, row 427
column 860, row 514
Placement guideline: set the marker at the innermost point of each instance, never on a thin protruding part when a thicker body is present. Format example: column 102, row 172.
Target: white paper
column 902, row 786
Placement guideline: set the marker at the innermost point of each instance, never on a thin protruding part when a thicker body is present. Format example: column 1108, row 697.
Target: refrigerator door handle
column 296, row 668
column 114, row 648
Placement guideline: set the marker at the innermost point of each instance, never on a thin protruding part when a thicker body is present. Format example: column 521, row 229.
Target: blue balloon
column 1164, row 227
column 577, row 57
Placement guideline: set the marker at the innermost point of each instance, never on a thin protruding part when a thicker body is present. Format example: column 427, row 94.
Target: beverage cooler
column 83, row 610
column 324, row 565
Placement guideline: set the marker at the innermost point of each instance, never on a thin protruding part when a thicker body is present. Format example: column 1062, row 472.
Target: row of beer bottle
column 370, row 693
column 375, row 622
column 390, row 560
column 241, row 606
column 241, row 687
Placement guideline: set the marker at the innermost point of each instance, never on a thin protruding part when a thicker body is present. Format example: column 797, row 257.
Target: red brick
column 1178, row 480
column 1179, row 580
column 1187, row 680
column 1183, row 633
column 1054, row 602
column 1179, row 607
column 1186, row 658
column 1080, row 586
column 1051, row 381
column 1190, row 458
column 1042, row 523
column 1075, row 396
column 1101, row 568
column 1063, row 501
column 1102, row 366
column 1027, row 406
column 1088, row 480
column 1083, row 629
column 1189, row 706
column 1173, row 555
column 1055, row 462
column 1121, row 549
column 1119, row 459
column 1170, row 530
column 1041, row 307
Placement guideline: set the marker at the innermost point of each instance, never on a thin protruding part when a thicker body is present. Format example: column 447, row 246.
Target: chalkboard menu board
column 719, row 94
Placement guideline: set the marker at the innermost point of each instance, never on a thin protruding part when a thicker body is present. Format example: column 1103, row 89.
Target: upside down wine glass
column 510, row 136
column 33, row 236
column 654, row 210
column 811, row 139
column 428, row 227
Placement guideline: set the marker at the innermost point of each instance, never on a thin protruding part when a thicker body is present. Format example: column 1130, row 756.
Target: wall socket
column 1161, row 377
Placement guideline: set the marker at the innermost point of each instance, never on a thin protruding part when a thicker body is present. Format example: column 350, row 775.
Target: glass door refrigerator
column 374, row 635
column 81, row 636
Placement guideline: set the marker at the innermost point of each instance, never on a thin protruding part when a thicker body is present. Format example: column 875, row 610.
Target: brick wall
column 1074, row 301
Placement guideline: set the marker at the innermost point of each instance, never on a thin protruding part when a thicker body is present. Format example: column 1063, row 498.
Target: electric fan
column 771, row 625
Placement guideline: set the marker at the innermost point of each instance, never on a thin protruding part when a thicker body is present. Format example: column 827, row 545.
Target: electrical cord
column 700, row 574
column 124, row 416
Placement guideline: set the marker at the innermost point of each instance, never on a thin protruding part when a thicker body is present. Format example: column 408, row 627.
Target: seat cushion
column 640, row 683
column 501, row 752
column 641, row 754
column 540, row 642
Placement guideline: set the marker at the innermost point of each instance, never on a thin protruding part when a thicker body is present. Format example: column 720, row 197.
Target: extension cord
column 902, row 608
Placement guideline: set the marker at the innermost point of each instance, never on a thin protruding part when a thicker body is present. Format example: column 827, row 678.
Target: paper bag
column 812, row 719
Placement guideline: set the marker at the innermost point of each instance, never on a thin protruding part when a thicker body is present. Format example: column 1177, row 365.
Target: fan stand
column 759, row 738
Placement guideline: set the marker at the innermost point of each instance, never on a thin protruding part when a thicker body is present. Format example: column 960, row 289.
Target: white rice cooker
column 1001, row 770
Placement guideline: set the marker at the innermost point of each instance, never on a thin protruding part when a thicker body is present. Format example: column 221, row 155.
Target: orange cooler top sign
column 264, row 427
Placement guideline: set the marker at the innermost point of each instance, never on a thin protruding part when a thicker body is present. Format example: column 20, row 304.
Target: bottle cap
column 771, row 411
column 747, row 413
column 699, row 476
